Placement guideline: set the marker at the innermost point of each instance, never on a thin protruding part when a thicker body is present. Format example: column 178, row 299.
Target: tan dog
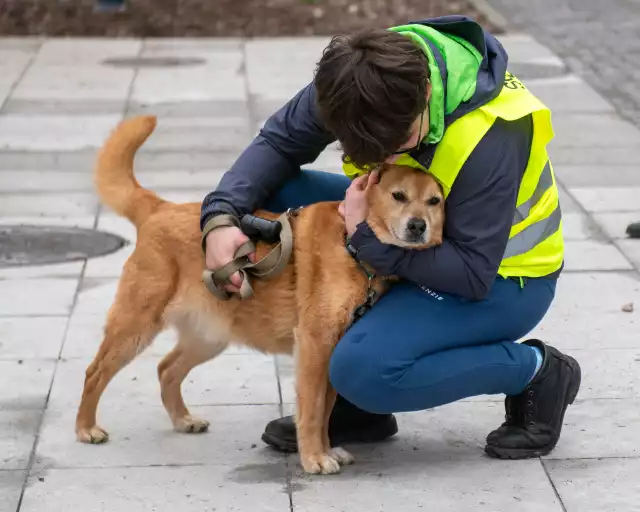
column 305, row 310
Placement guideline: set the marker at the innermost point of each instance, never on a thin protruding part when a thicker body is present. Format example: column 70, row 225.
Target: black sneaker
column 347, row 424
column 534, row 417
column 633, row 230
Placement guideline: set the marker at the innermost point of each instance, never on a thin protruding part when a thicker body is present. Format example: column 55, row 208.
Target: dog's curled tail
column 114, row 178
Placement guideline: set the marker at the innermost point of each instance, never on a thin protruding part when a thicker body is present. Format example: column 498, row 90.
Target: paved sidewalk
column 59, row 101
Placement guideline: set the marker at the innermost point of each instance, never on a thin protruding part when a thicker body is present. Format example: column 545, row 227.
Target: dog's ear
column 382, row 168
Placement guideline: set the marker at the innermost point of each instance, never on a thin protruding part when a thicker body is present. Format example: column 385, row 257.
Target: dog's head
column 406, row 208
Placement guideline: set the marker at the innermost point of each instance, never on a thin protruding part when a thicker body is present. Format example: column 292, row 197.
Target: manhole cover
column 528, row 71
column 153, row 62
column 40, row 245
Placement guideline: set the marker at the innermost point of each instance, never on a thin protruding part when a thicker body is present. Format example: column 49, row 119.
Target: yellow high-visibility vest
column 536, row 244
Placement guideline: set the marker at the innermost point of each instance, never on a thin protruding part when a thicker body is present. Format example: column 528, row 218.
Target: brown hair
column 371, row 87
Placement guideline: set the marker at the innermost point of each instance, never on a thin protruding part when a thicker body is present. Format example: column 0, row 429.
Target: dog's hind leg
column 190, row 352
column 135, row 318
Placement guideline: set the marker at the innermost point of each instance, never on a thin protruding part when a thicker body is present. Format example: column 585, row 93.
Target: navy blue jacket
column 479, row 209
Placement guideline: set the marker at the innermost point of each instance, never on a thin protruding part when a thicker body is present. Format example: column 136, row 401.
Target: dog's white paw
column 191, row 425
column 343, row 457
column 323, row 464
column 93, row 435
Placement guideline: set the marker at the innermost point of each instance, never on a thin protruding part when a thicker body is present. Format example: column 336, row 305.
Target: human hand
column 221, row 246
column 355, row 207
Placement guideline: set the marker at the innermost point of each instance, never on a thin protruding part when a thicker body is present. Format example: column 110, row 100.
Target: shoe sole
column 374, row 435
column 497, row 452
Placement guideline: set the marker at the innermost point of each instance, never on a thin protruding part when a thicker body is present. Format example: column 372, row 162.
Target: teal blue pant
column 418, row 348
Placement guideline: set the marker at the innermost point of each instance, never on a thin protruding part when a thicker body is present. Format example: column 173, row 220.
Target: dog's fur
column 305, row 310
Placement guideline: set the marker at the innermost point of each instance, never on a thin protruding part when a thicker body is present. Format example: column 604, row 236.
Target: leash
column 268, row 267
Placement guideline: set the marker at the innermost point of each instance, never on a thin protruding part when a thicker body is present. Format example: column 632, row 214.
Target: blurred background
column 220, row 18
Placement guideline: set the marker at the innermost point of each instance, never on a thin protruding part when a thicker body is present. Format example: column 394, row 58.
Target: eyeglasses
column 408, row 150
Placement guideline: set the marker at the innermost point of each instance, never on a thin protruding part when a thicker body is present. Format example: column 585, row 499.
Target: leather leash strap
column 273, row 263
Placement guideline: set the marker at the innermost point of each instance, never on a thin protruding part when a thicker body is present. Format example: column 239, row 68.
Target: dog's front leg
column 314, row 395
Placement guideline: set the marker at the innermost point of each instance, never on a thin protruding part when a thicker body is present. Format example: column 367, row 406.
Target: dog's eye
column 433, row 201
column 400, row 197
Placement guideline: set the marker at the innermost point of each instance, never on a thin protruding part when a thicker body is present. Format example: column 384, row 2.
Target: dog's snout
column 416, row 226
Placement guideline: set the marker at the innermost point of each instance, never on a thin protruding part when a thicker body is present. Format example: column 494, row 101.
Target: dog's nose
column 416, row 226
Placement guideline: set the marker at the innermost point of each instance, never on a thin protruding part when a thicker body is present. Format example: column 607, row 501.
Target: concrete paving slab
column 442, row 486
column 162, row 180
column 17, row 434
column 522, row 47
column 578, row 226
column 11, row 483
column 95, row 296
column 191, row 108
column 162, row 489
column 13, row 63
column 615, row 225
column 63, row 107
column 599, row 428
column 146, row 438
column 45, row 181
column 592, row 255
column 175, row 160
column 199, row 133
column 278, row 68
column 86, row 221
column 568, row 93
column 25, row 384
column 57, row 270
column 567, row 203
column 228, row 379
column 110, row 265
column 54, row 133
column 613, row 373
column 631, row 249
column 72, row 204
column 587, row 312
column 74, row 161
column 72, row 82
column 589, row 130
column 594, row 485
column 607, row 199
column 110, row 223
column 83, row 52
column 29, row 44
column 31, row 338
column 26, row 297
column 219, row 77
column 595, row 176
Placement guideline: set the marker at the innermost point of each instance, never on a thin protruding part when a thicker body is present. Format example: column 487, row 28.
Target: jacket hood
column 468, row 66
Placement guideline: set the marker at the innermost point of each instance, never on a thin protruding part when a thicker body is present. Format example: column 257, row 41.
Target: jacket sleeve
column 292, row 137
column 478, row 217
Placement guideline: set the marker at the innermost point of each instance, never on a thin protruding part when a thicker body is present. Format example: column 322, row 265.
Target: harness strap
column 268, row 267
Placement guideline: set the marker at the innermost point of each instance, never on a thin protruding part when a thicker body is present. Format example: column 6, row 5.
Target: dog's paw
column 323, row 464
column 93, row 435
column 191, row 425
column 343, row 457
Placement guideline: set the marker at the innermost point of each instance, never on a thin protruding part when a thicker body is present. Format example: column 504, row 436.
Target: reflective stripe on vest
column 544, row 184
column 533, row 235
